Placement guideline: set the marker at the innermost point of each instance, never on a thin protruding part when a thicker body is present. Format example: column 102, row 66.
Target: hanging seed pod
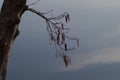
column 68, row 17
column 78, row 44
column 65, row 47
column 58, row 37
column 63, row 37
column 62, row 26
column 66, row 61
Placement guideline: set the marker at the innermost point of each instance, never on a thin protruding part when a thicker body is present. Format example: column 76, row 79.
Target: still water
column 95, row 22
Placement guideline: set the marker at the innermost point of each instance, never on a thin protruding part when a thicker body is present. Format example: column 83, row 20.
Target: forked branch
column 58, row 33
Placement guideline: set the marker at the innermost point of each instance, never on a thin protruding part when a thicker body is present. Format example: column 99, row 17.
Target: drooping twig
column 57, row 33
column 36, row 12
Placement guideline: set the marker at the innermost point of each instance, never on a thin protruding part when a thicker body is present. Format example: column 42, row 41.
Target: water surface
column 95, row 22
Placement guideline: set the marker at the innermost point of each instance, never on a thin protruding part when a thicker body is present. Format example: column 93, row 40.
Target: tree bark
column 10, row 16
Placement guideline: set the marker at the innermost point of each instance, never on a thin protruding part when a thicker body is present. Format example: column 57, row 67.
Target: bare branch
column 57, row 33
column 36, row 12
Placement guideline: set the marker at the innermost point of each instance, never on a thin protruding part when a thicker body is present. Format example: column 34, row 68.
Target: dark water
column 96, row 23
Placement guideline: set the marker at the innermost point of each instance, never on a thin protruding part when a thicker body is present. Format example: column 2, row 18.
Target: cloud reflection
column 107, row 55
column 103, row 49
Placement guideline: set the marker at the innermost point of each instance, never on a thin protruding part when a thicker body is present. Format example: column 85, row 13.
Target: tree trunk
column 10, row 16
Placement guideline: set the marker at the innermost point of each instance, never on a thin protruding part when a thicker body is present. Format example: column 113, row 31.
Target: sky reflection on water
column 95, row 22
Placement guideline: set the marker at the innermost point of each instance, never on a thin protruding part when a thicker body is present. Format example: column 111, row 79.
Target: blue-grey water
column 95, row 22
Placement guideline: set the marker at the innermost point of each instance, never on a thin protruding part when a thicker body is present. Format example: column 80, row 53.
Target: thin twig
column 34, row 3
column 48, row 12
column 38, row 13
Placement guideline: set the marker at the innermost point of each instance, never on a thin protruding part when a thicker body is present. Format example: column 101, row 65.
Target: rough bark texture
column 10, row 16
